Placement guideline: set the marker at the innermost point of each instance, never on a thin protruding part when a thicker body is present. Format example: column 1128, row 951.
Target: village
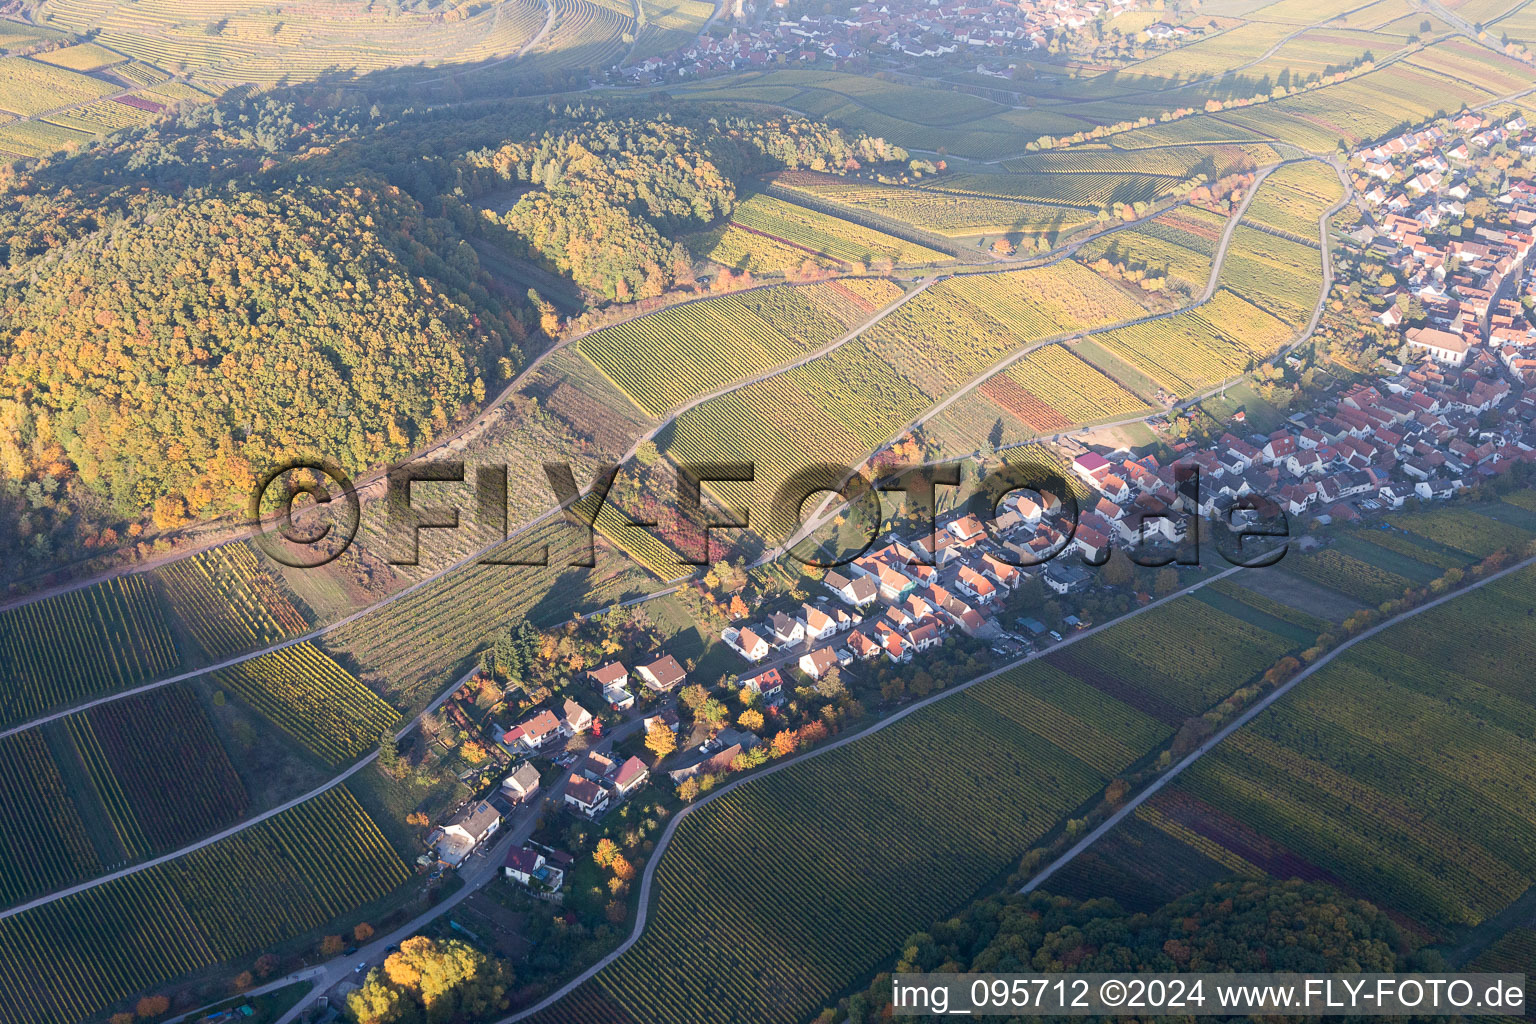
column 1447, row 410
column 901, row 31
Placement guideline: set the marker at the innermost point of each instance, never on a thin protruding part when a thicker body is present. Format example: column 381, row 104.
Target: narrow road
column 437, row 702
column 830, row 506
column 481, row 869
column 648, row 879
column 1248, row 716
column 241, row 826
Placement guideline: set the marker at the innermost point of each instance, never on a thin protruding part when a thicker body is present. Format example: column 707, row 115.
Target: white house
column 521, row 784
column 467, row 830
column 745, row 643
column 586, row 797
column 819, row 662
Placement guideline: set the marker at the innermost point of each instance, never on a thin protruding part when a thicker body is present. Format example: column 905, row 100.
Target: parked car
column 1055, row 636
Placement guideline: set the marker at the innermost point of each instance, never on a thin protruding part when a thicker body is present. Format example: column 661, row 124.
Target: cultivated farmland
column 1397, row 770
column 81, row 644
column 1194, row 350
column 168, row 778
column 241, row 895
column 662, row 360
column 29, row 87
column 228, row 602
column 826, row 236
column 313, row 699
column 41, row 834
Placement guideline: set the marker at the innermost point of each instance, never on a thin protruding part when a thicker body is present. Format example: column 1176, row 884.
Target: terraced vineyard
column 826, row 236
column 950, row 215
column 1190, row 352
column 164, row 778
column 313, row 699
column 228, row 602
column 81, row 644
column 29, row 87
column 227, row 901
column 42, row 838
column 898, row 833
column 662, row 360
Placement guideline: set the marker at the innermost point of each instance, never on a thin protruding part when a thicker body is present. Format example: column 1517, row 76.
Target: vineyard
column 1179, row 244
column 836, row 409
column 1293, row 197
column 743, row 250
column 1400, row 769
column 1465, row 530
column 1038, row 743
column 662, row 360
column 1089, row 191
column 240, row 896
column 84, row 57
column 1187, row 353
column 1051, row 388
column 313, row 699
column 948, row 335
column 1275, row 274
column 949, row 215
column 81, row 644
column 42, row 840
column 28, row 87
column 158, row 754
column 826, row 236
column 1366, row 583
column 228, row 602
column 1175, row 661
column 99, row 118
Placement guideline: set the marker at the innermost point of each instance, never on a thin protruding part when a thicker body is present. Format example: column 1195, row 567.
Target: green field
column 42, row 837
column 662, row 360
column 62, row 650
column 1397, row 770
column 913, row 808
column 313, row 699
column 228, row 602
column 228, row 901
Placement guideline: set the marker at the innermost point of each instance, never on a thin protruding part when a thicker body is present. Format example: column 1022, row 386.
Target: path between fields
column 241, row 826
column 1218, row 261
column 1248, row 716
column 438, row 701
column 407, row 591
column 666, row 837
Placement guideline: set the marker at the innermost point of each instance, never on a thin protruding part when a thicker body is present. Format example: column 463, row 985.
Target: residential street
column 482, row 868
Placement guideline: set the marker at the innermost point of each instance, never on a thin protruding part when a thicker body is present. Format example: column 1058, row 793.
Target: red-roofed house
column 973, row 584
column 1091, row 466
column 663, row 674
column 632, row 775
column 586, row 797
